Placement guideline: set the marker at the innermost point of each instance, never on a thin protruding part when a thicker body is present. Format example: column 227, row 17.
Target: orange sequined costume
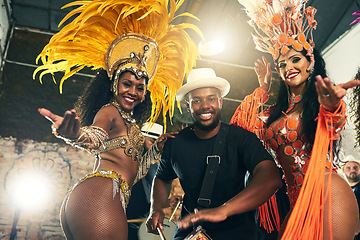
column 284, row 136
column 281, row 26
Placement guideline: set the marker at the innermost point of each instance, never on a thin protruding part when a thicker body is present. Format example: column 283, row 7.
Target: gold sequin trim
column 118, row 183
column 132, row 143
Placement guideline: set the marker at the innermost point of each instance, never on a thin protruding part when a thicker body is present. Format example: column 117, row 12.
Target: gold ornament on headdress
column 132, row 52
column 282, row 24
column 121, row 35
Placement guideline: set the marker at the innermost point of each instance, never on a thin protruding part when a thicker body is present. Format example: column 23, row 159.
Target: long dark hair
column 98, row 93
column 310, row 99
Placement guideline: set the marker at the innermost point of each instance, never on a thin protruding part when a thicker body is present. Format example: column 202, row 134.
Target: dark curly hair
column 355, row 107
column 310, row 100
column 98, row 93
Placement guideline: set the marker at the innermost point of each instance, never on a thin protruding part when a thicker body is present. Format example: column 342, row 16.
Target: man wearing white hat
column 211, row 159
column 351, row 169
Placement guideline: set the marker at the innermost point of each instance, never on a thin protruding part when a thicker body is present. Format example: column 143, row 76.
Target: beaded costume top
column 132, row 143
column 284, row 136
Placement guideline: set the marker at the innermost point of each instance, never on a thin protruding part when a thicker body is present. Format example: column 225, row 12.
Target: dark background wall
column 33, row 23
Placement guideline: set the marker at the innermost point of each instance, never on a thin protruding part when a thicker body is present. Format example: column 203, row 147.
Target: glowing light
column 211, row 47
column 30, row 191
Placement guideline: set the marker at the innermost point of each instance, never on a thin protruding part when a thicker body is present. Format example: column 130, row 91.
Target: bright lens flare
column 211, row 47
column 30, row 191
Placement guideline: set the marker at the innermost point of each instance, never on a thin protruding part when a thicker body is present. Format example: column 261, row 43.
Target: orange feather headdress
column 282, row 24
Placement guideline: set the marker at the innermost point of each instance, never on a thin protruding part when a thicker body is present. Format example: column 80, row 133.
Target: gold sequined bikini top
column 132, row 143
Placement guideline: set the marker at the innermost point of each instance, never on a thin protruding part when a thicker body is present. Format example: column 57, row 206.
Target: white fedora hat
column 153, row 131
column 348, row 158
column 201, row 78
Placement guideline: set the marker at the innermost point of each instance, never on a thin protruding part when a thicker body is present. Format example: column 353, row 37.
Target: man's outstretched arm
column 265, row 182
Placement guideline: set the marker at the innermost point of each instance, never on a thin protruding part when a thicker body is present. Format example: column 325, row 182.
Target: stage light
column 30, row 191
column 211, row 47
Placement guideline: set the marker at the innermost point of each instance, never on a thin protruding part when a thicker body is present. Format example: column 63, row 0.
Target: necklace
column 133, row 141
column 125, row 115
column 293, row 101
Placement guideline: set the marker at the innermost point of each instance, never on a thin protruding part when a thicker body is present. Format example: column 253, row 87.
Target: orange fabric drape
column 306, row 220
column 247, row 116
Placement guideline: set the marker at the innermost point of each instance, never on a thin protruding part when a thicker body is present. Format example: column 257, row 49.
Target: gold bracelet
column 90, row 138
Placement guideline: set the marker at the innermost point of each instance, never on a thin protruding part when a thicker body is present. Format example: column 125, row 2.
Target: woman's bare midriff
column 117, row 161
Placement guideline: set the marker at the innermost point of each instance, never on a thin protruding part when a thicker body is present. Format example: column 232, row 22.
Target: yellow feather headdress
column 282, row 24
column 125, row 34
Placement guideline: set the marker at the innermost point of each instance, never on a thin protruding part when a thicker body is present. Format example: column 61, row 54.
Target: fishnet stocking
column 345, row 213
column 92, row 213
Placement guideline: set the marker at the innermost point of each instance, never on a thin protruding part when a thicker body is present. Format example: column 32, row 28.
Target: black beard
column 210, row 127
column 355, row 179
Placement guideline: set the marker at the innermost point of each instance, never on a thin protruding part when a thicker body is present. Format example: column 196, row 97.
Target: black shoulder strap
column 213, row 162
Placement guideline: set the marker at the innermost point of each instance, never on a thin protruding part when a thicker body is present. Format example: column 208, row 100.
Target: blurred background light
column 211, row 47
column 30, row 191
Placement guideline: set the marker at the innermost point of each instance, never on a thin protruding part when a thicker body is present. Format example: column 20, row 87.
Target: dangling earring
column 114, row 91
column 310, row 71
column 310, row 74
column 115, row 83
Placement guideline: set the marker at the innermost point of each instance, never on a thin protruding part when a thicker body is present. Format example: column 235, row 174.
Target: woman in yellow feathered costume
column 141, row 61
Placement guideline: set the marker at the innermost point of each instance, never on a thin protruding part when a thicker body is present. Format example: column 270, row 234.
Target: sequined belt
column 118, row 184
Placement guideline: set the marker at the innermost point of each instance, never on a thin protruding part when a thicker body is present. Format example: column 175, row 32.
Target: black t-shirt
column 356, row 189
column 184, row 157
